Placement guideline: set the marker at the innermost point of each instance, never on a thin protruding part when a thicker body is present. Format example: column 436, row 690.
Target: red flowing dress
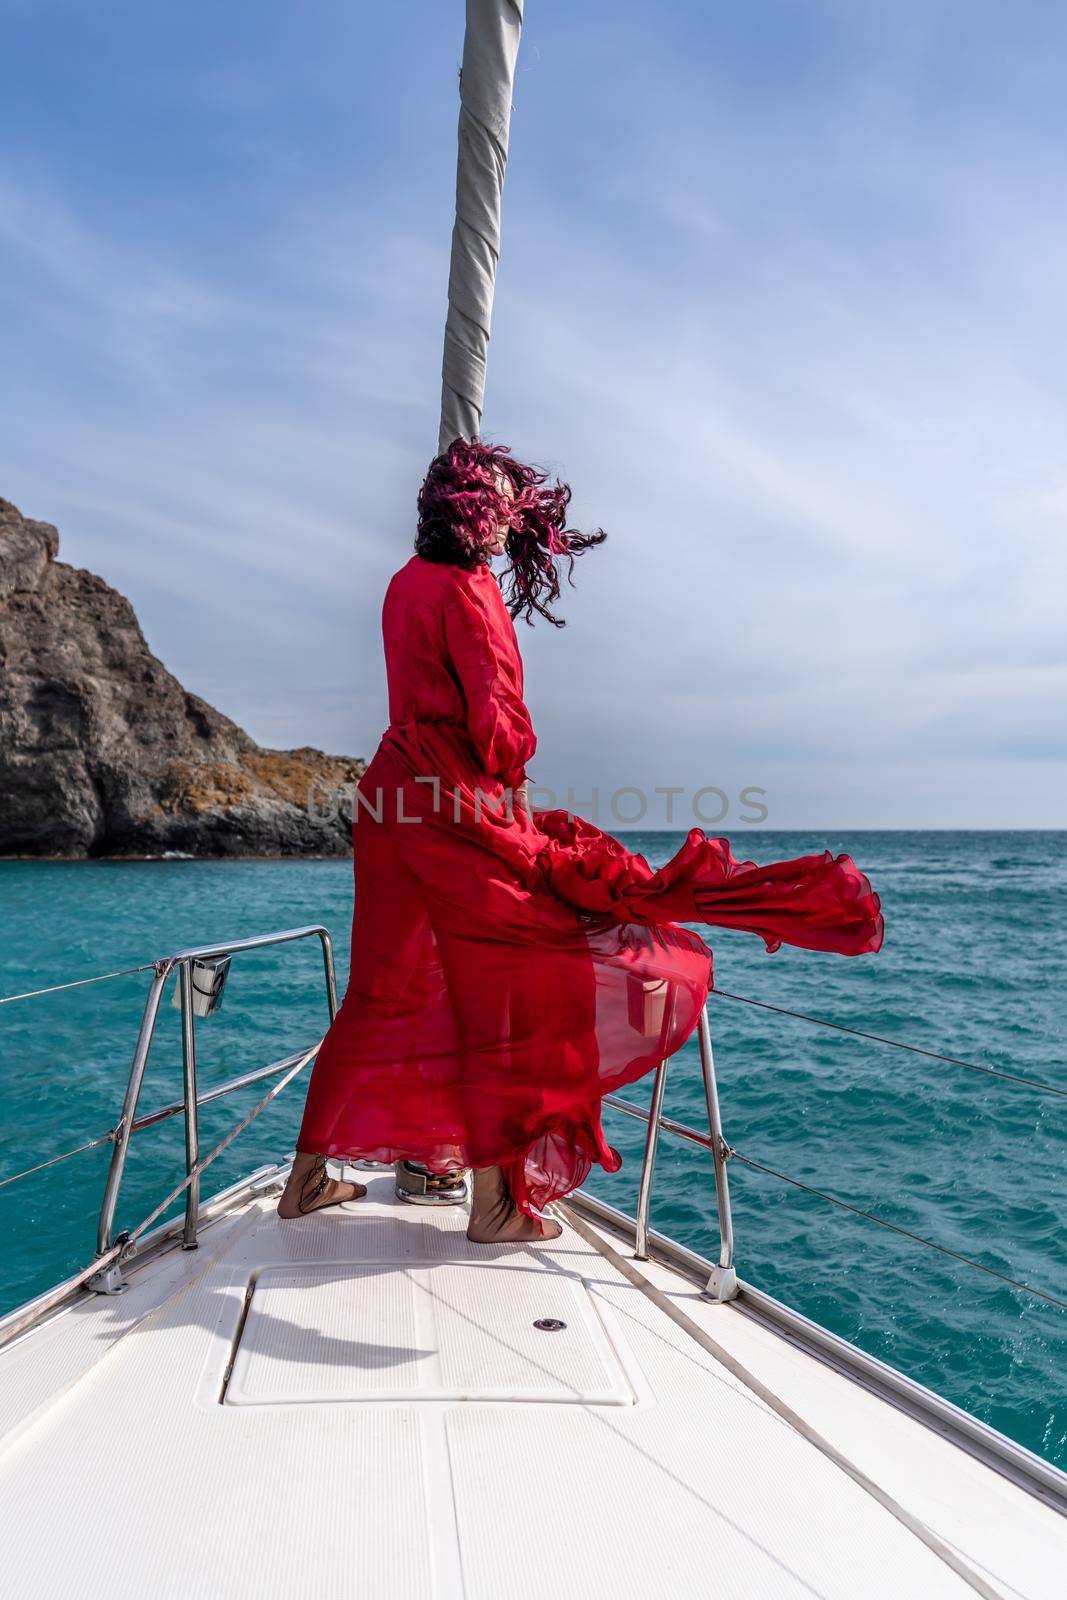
column 507, row 972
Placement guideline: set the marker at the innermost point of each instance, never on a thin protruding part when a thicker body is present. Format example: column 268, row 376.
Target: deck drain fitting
column 549, row 1324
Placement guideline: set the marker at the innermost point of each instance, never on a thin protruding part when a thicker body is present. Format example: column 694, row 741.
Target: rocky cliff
column 103, row 753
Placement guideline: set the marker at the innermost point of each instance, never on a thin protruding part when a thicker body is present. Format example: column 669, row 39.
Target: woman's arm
column 489, row 671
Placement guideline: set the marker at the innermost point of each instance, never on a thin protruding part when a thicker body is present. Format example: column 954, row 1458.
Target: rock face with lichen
column 103, row 753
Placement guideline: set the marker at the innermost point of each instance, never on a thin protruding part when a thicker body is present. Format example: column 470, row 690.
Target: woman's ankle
column 488, row 1189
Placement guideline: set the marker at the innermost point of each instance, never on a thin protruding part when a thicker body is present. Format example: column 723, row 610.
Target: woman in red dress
column 511, row 966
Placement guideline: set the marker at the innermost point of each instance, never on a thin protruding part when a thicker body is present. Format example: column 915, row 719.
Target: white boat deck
column 360, row 1403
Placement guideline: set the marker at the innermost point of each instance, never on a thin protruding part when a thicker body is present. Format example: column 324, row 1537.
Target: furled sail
column 490, row 49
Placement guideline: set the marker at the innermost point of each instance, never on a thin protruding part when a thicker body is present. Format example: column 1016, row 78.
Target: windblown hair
column 460, row 508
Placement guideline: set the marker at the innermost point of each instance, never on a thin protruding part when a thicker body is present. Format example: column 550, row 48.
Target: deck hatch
column 433, row 1331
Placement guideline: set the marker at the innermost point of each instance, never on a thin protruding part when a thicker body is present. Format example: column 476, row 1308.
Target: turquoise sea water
column 974, row 965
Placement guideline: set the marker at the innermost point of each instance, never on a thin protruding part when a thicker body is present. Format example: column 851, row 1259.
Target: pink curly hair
column 460, row 508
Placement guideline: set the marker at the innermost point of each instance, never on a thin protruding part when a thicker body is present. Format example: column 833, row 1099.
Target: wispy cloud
column 795, row 344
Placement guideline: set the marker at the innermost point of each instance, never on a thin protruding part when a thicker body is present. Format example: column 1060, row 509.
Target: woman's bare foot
column 496, row 1219
column 310, row 1188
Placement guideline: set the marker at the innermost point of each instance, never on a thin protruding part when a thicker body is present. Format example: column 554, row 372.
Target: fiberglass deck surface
column 359, row 1403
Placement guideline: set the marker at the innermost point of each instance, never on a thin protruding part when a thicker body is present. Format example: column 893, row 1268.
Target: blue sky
column 782, row 297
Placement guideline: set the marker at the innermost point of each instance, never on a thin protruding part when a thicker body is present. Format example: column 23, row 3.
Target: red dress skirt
column 508, row 972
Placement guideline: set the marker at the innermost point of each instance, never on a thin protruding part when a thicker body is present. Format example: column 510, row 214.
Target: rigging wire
column 78, row 983
column 1015, row 1283
column 748, row 1161
column 775, row 1403
column 693, row 1136
column 125, row 1245
column 153, row 1117
column 895, row 1044
column 105, row 1138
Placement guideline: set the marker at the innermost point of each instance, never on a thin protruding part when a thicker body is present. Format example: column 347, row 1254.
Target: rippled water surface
column 974, row 965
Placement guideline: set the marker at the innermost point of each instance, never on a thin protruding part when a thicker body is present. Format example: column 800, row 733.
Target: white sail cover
column 490, row 49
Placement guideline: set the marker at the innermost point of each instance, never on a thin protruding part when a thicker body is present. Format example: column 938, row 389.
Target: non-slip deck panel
column 441, row 1331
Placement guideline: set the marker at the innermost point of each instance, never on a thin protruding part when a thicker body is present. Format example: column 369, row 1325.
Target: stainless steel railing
column 110, row 1279
column 109, row 1252
column 722, row 1282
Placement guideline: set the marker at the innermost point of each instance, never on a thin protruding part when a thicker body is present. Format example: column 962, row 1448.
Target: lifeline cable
column 894, row 1044
column 124, row 1245
column 76, row 983
column 954, row 1255
column 691, row 1136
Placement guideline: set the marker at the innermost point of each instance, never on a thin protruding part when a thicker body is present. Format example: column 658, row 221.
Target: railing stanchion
column 328, row 967
column 192, row 1110
column 722, row 1284
column 107, row 1277
column 110, row 1279
column 644, row 1195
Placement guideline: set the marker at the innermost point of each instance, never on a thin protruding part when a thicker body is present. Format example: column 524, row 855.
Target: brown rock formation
column 102, row 752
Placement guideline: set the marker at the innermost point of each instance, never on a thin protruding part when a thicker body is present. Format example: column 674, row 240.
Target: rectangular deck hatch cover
column 441, row 1331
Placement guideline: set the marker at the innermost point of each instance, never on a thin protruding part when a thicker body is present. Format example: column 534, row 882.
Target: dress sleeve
column 487, row 664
